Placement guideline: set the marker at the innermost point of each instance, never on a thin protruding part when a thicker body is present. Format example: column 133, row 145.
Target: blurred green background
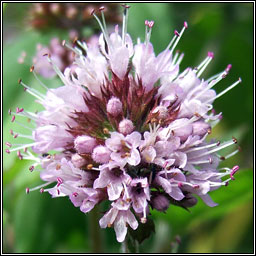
column 36, row 223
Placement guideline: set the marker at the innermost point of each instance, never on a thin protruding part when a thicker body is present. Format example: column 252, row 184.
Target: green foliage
column 36, row 223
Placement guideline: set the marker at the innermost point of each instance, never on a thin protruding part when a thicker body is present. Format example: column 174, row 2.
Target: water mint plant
column 128, row 128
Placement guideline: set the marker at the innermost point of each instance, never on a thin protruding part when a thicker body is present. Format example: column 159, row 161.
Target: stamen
column 32, row 91
column 56, row 68
column 203, row 147
column 230, row 155
column 222, row 146
column 26, row 146
column 36, row 77
column 226, row 90
column 103, row 30
column 209, row 161
column 125, row 22
column 38, row 187
column 179, row 37
column 203, row 67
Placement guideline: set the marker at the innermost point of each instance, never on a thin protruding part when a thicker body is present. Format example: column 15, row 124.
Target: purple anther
column 25, row 150
column 19, row 110
column 16, row 135
column 180, row 184
column 9, row 111
column 226, row 183
column 210, row 160
column 11, row 132
column 8, row 144
column 27, row 190
column 196, row 186
column 151, row 24
column 185, row 24
column 60, row 181
column 31, row 168
column 13, row 118
column 75, row 194
column 176, row 33
column 211, row 55
column 58, row 191
column 218, row 143
column 229, row 66
column 146, row 22
column 19, row 155
column 234, row 139
column 41, row 190
column 102, row 8
column 7, row 151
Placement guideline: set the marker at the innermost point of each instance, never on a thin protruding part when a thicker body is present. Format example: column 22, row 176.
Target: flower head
column 128, row 127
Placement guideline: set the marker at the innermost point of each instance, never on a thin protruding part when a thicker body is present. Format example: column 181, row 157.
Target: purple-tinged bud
column 160, row 203
column 200, row 128
column 101, row 154
column 126, row 126
column 78, row 161
column 84, row 144
column 188, row 201
column 114, row 106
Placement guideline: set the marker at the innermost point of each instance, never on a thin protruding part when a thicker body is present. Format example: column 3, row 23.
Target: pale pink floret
column 126, row 127
column 124, row 149
column 114, row 106
column 101, row 154
column 85, row 144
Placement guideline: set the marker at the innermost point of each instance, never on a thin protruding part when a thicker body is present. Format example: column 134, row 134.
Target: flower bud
column 126, row 126
column 114, row 106
column 160, row 202
column 188, row 201
column 78, row 161
column 101, row 154
column 84, row 144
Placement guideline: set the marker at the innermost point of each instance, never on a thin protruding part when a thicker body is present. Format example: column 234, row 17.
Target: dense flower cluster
column 128, row 127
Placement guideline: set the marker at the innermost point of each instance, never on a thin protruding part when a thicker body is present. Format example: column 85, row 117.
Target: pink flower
column 126, row 127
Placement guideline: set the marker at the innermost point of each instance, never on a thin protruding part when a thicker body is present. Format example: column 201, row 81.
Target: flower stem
column 94, row 231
